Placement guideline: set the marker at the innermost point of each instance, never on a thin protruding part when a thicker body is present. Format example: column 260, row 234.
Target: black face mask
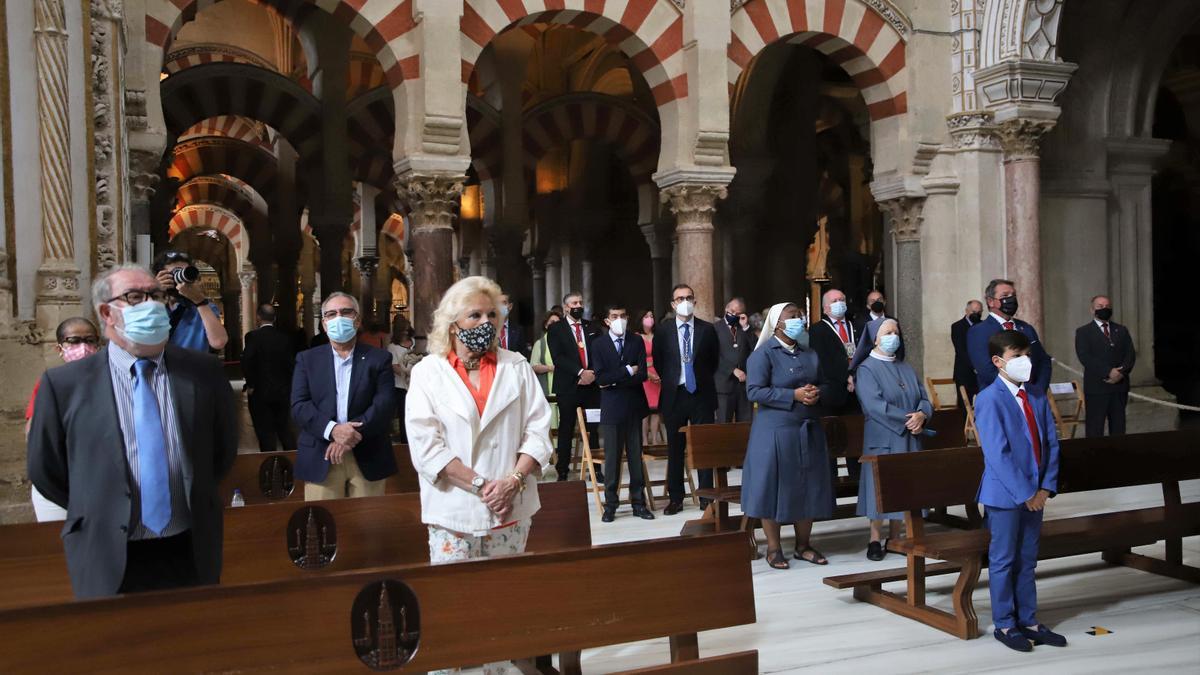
column 731, row 319
column 1104, row 313
column 1009, row 305
column 877, row 306
column 577, row 313
column 975, row 317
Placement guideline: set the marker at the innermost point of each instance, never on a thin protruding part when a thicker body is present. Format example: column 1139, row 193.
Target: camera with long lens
column 185, row 275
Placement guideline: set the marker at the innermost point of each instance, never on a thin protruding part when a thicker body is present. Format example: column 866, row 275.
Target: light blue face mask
column 146, row 323
column 340, row 329
column 889, row 344
column 838, row 309
column 794, row 328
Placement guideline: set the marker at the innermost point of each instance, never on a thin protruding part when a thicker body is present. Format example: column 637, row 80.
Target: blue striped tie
column 153, row 476
column 689, row 373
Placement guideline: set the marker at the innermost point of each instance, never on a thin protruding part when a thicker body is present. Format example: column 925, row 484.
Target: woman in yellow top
column 543, row 364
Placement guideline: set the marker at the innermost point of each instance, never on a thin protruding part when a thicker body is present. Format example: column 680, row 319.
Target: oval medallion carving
column 385, row 623
column 311, row 538
column 275, row 478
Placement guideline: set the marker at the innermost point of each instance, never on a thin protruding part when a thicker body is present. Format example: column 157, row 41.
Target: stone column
column 587, row 278
column 566, row 273
column 538, row 267
column 249, row 300
column 433, row 199
column 58, row 275
column 553, row 279
column 308, row 287
column 694, row 205
column 1022, row 195
column 905, row 214
column 332, row 238
column 658, row 237
column 235, row 324
column 367, row 267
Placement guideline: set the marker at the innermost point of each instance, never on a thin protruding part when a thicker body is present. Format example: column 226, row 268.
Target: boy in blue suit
column 619, row 361
column 1020, row 452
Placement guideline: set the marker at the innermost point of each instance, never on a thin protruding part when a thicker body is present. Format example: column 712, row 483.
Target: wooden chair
column 593, row 457
column 970, row 433
column 1067, row 396
column 931, row 386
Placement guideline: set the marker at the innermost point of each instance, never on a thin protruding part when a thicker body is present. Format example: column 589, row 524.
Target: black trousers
column 626, row 436
column 159, row 564
column 687, row 408
column 272, row 422
column 585, row 399
column 1102, row 407
column 401, row 394
column 734, row 406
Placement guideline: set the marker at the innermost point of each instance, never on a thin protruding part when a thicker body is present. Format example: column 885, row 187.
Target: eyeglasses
column 689, row 298
column 138, row 297
column 76, row 340
column 348, row 312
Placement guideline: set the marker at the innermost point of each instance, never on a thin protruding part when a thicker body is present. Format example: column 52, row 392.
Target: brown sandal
column 777, row 560
column 816, row 558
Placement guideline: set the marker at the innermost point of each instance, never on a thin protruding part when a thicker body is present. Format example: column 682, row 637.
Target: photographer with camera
column 195, row 320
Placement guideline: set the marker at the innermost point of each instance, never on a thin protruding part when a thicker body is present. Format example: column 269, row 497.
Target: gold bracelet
column 520, row 481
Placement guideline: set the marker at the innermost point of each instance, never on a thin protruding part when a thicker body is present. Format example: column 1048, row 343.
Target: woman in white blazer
column 478, row 430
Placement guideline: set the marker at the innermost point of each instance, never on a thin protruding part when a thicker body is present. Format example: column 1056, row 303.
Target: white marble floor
column 805, row 626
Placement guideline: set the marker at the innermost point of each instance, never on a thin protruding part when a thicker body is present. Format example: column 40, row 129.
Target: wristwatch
column 477, row 484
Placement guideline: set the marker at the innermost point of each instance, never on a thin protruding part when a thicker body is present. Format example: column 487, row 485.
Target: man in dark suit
column 735, row 346
column 574, row 376
column 267, row 364
column 620, row 366
column 685, row 356
column 133, row 442
column 342, row 400
column 1001, row 299
column 1105, row 348
column 964, row 373
column 834, row 340
column 512, row 336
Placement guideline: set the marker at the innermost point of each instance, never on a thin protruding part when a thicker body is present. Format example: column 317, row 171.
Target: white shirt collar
column 690, row 322
column 1100, row 324
column 876, row 355
column 1012, row 388
column 790, row 348
column 338, row 357
column 875, row 316
column 614, row 337
column 1001, row 320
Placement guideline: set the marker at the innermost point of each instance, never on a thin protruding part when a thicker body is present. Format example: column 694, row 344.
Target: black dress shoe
column 1044, row 636
column 608, row 516
column 599, row 476
column 562, row 476
column 673, row 508
column 1014, row 639
column 643, row 513
column 875, row 551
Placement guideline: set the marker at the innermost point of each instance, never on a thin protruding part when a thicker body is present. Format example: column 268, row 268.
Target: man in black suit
column 620, row 366
column 1105, row 348
column 511, row 337
column 685, row 356
column 343, row 402
column 574, row 376
column 834, row 340
column 267, row 364
column 735, row 346
column 964, row 373
column 133, row 442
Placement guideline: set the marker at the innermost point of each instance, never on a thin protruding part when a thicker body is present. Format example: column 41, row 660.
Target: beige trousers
column 344, row 480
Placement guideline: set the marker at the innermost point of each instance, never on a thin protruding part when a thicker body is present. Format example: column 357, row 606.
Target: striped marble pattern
column 215, row 217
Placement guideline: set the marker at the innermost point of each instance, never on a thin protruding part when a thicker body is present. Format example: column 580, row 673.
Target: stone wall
column 21, row 364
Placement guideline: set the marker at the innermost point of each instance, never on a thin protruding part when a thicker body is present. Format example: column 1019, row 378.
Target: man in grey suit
column 133, row 441
column 735, row 345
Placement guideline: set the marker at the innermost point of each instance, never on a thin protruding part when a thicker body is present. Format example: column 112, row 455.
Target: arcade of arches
column 764, row 148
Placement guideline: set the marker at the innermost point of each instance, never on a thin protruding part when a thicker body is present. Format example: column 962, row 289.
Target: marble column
column 58, row 276
column 308, row 287
column 538, row 269
column 566, row 274
column 553, row 280
column 587, row 279
column 432, row 200
column 1019, row 139
column 905, row 214
column 659, row 238
column 249, row 299
column 694, row 205
column 368, row 267
column 332, row 238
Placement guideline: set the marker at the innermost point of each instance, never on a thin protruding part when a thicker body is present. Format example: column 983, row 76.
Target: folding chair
column 931, row 385
column 1067, row 396
column 593, row 457
column 969, row 432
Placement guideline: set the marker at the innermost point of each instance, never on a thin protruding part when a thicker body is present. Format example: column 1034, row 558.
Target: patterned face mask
column 479, row 339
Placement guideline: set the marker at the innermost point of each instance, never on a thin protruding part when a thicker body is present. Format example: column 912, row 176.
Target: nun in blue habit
column 786, row 477
column 895, row 408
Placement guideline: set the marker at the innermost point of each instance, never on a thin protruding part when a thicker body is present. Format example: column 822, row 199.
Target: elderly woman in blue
column 786, row 476
column 895, row 407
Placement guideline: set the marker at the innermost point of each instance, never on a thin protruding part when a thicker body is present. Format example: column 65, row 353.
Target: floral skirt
column 446, row 546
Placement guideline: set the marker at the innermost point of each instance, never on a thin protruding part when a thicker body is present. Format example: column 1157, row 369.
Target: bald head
column 831, row 296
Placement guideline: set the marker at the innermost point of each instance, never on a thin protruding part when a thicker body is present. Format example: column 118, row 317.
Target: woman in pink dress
column 652, row 432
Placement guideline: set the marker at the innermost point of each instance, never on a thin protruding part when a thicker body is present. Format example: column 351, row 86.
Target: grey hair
column 102, row 285
column 990, row 291
column 339, row 294
column 572, row 294
column 825, row 296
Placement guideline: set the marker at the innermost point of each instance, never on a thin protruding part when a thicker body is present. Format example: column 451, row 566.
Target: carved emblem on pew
column 385, row 624
column 312, row 538
column 275, row 478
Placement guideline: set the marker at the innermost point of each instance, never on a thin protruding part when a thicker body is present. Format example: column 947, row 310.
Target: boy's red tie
column 1033, row 430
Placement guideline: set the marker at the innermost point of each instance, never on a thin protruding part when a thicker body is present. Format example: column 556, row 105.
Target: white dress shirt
column 691, row 324
column 1001, row 320
column 620, row 347
column 342, row 368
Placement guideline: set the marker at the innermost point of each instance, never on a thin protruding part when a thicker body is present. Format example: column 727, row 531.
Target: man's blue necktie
column 153, row 476
column 620, row 346
column 689, row 373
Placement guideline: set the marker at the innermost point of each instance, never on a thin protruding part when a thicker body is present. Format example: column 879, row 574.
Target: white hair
column 102, row 285
column 454, row 302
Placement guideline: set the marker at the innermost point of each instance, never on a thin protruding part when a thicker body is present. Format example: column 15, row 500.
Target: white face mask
column 685, row 308
column 617, row 326
column 1019, row 369
column 838, row 309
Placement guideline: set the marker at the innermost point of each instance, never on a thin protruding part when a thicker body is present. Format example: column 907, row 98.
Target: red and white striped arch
column 849, row 32
column 394, row 228
column 649, row 32
column 385, row 25
column 211, row 216
column 198, row 55
column 230, row 126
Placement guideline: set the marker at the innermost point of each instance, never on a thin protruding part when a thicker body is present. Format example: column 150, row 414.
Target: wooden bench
column 261, row 543
column 911, row 482
column 452, row 615
column 268, row 477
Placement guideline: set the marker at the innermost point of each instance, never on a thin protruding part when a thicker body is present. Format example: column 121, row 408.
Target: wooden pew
column 453, row 615
column 267, row 477
column 261, row 543
column 915, row 481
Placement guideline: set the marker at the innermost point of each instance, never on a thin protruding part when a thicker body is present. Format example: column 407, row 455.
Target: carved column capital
column 693, row 204
column 367, row 265
column 1021, row 138
column 247, row 279
column 143, row 170
column 973, row 130
column 906, row 213
column 433, row 199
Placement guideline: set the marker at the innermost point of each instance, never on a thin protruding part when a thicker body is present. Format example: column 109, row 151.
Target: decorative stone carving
column 1039, row 36
column 143, row 166
column 367, row 265
column 109, row 160
column 136, row 116
column 965, row 19
column 1021, row 138
column 693, row 205
column 906, row 214
column 974, row 130
column 433, row 199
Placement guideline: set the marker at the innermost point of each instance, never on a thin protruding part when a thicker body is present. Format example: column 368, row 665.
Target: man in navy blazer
column 342, row 401
column 620, row 364
column 1020, row 453
column 1001, row 298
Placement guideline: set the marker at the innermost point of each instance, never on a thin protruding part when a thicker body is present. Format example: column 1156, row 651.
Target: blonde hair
column 454, row 302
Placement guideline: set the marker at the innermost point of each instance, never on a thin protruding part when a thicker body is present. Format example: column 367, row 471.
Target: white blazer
column 443, row 423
